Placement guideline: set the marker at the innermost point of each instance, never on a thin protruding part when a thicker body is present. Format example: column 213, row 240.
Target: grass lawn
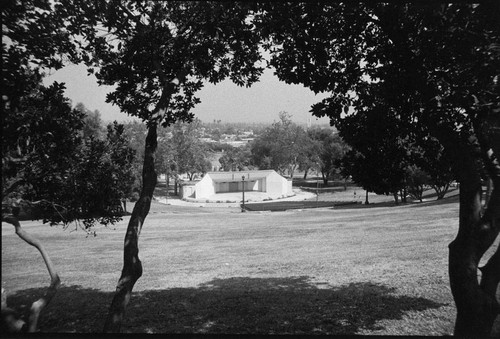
column 365, row 270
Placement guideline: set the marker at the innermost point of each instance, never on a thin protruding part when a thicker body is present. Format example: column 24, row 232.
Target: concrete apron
column 234, row 199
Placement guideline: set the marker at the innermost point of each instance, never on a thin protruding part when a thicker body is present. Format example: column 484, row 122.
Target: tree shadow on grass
column 242, row 305
column 446, row 200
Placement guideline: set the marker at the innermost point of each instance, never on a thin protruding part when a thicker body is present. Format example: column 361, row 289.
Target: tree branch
column 134, row 18
column 491, row 216
column 12, row 187
column 40, row 304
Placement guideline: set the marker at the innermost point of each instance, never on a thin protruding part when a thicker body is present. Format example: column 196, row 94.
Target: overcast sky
column 225, row 101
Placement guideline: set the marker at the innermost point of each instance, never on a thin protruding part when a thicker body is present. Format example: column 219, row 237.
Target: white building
column 269, row 182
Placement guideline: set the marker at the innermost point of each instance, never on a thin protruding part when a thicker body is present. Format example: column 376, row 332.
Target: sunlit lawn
column 364, row 270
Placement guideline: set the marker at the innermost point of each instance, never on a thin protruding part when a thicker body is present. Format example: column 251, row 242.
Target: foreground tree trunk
column 476, row 302
column 132, row 267
column 11, row 322
column 477, row 307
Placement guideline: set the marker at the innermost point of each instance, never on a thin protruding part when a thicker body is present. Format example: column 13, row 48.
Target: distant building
column 269, row 182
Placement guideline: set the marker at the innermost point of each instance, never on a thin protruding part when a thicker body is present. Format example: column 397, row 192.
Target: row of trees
column 287, row 147
column 430, row 72
column 284, row 147
column 370, row 157
column 372, row 160
column 395, row 165
column 180, row 151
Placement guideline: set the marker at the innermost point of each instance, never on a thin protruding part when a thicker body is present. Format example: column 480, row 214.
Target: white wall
column 275, row 185
column 204, row 188
column 187, row 191
column 289, row 188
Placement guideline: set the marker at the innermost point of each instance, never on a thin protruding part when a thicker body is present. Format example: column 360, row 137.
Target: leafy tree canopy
column 46, row 162
column 282, row 147
column 433, row 70
column 328, row 154
column 93, row 125
column 159, row 53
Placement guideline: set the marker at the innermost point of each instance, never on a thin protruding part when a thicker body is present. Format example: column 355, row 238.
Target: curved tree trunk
column 476, row 302
column 132, row 267
column 477, row 307
column 38, row 306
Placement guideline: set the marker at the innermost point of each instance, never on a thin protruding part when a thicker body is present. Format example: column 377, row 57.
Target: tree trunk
column 167, row 182
column 441, row 190
column 489, row 188
column 476, row 302
column 396, row 194
column 366, row 198
column 38, row 306
column 419, row 192
column 403, row 194
column 476, row 306
column 291, row 172
column 305, row 173
column 132, row 267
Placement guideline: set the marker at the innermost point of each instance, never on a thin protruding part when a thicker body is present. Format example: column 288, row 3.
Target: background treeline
column 371, row 160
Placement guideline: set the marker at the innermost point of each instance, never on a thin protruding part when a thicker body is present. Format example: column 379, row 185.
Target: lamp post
column 317, row 185
column 243, row 184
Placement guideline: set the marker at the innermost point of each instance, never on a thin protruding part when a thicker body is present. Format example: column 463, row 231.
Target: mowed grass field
column 366, row 270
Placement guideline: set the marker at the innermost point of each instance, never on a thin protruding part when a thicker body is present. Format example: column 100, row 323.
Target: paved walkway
column 234, row 199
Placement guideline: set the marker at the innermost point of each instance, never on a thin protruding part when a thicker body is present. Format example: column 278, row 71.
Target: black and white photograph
column 249, row 169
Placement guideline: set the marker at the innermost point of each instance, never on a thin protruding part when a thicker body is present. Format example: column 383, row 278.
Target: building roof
column 237, row 176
